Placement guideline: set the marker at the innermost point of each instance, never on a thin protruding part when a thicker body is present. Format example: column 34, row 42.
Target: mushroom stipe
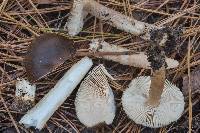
column 139, row 59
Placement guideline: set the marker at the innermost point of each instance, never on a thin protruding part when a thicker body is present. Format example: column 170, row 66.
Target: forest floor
column 22, row 20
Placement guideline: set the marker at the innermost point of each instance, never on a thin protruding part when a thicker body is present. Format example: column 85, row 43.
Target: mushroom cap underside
column 134, row 103
column 92, row 111
column 94, row 103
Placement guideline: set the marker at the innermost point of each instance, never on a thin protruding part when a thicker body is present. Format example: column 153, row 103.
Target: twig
column 11, row 117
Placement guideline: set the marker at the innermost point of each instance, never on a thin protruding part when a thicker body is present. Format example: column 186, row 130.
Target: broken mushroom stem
column 125, row 57
column 75, row 23
column 156, row 87
column 110, row 16
column 115, row 18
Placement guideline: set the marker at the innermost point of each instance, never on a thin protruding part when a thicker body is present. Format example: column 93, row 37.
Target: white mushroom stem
column 156, row 87
column 75, row 23
column 115, row 18
column 136, row 60
column 40, row 114
column 112, row 17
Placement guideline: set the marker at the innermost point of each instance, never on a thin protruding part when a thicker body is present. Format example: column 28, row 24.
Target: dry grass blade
column 11, row 117
column 189, row 89
column 175, row 16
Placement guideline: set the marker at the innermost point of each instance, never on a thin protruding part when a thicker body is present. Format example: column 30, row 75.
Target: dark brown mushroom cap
column 45, row 53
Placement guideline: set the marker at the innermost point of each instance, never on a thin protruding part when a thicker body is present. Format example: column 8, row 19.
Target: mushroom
column 153, row 101
column 139, row 59
column 45, row 53
column 144, row 104
column 45, row 108
column 82, row 7
column 94, row 103
column 24, row 95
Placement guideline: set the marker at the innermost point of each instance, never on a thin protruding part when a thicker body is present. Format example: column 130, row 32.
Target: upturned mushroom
column 153, row 101
column 147, row 106
column 45, row 53
column 94, row 101
column 137, row 59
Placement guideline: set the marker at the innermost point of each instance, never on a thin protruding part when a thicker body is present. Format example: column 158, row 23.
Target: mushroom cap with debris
column 134, row 103
column 94, row 103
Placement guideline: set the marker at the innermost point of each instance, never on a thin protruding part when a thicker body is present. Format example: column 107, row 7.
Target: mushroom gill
column 94, row 103
column 169, row 109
